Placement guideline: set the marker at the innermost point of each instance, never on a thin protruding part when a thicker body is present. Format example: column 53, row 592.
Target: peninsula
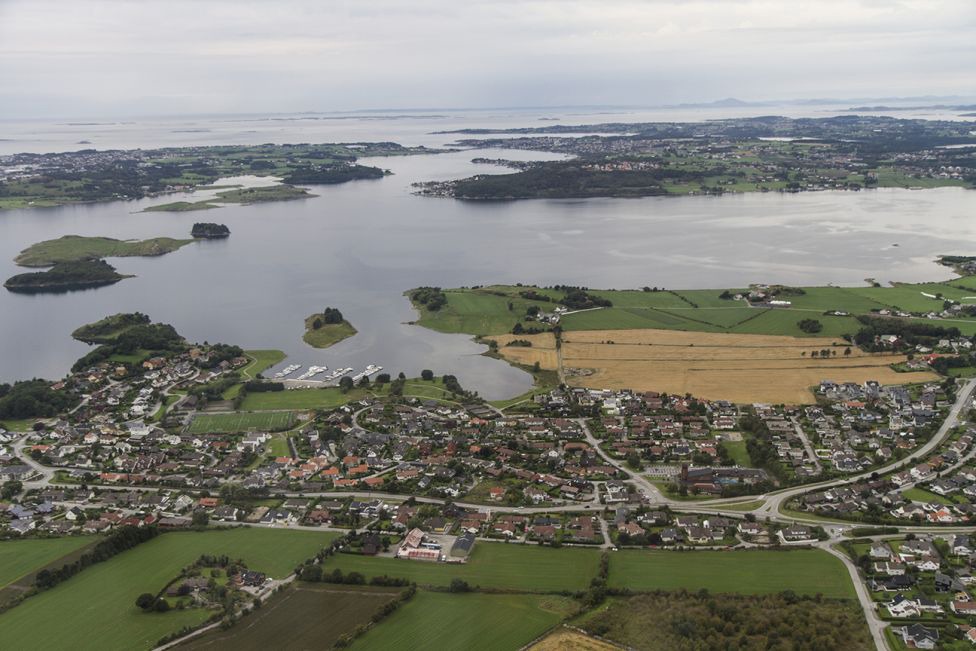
column 761, row 154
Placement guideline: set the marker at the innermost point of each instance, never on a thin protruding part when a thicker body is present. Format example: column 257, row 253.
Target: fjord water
column 360, row 245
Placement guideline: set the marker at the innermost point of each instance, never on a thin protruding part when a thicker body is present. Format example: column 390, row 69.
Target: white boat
column 288, row 370
column 372, row 369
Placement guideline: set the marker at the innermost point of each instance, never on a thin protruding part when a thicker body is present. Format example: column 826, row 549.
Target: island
column 239, row 195
column 327, row 328
column 41, row 180
column 65, row 277
column 762, row 154
column 210, row 231
column 71, row 248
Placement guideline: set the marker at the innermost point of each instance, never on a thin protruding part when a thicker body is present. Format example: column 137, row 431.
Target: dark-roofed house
column 463, row 546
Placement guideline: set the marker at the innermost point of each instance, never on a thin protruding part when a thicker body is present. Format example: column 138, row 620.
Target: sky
column 64, row 58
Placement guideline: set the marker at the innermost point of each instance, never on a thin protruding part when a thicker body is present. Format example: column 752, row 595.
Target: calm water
column 359, row 246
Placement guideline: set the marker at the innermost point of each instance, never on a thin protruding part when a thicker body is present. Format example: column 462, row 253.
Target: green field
column 240, row 421
column 485, row 310
column 75, row 247
column 466, row 622
column 738, row 452
column 181, row 206
column 305, row 616
column 96, row 609
column 805, row 571
column 261, row 360
column 262, row 194
column 528, row 568
column 328, row 334
column 332, row 397
column 19, row 558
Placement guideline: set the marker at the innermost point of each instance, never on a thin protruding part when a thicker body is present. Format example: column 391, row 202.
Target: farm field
column 740, row 368
column 804, row 571
column 495, row 309
column 528, row 568
column 305, row 616
column 19, row 558
column 241, row 422
column 466, row 622
column 100, row 601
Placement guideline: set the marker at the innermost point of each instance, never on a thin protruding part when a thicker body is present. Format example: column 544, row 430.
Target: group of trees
column 65, row 276
column 33, row 399
column 329, row 316
column 909, row 333
column 433, row 298
column 809, row 326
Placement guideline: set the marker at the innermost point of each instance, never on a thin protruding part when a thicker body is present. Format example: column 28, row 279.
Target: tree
column 810, row 326
column 847, row 351
column 10, row 488
column 201, row 518
column 317, row 323
column 459, row 585
column 145, row 601
column 427, row 374
column 345, row 384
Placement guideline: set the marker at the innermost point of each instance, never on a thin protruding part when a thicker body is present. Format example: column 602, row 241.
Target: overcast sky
column 130, row 57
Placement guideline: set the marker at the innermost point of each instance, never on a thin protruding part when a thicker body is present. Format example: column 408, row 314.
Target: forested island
column 210, row 231
column 37, row 180
column 327, row 328
column 64, row 277
column 761, row 154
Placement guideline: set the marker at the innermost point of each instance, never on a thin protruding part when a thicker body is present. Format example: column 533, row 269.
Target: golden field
column 567, row 639
column 740, row 368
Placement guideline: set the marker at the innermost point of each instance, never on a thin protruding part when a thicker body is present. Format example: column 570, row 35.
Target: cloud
column 69, row 58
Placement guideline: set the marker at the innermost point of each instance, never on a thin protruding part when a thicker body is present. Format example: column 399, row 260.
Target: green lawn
column 75, row 247
column 922, row 495
column 240, row 421
column 805, row 571
column 491, row 565
column 328, row 398
column 261, row 360
column 96, row 608
column 737, row 451
column 19, row 558
column 466, row 622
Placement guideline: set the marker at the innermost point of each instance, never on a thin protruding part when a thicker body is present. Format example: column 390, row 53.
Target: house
column 902, row 607
column 919, row 637
column 797, row 533
column 631, row 529
column 967, row 608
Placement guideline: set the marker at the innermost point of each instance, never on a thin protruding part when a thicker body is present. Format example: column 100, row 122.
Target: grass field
column 305, row 616
column 19, row 558
column 261, row 360
column 804, row 571
column 96, row 609
column 332, row 397
column 485, row 311
column 738, row 452
column 75, row 247
column 740, row 368
column 240, row 421
column 466, row 622
column 328, row 334
column 527, row 568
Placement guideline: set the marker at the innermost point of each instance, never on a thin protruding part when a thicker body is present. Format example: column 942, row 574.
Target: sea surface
column 360, row 245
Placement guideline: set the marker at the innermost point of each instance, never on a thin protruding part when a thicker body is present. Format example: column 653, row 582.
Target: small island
column 327, row 328
column 65, row 277
column 73, row 248
column 209, row 231
column 109, row 329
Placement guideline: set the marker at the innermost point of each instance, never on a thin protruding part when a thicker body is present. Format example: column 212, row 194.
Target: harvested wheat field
column 740, row 368
column 543, row 350
column 567, row 639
